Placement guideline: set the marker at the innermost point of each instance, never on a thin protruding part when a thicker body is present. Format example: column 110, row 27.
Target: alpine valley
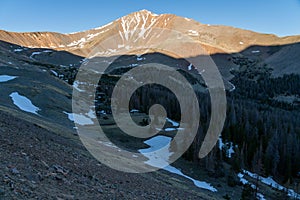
column 256, row 157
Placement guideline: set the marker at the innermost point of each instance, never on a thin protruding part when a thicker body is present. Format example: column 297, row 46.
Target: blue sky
column 281, row 17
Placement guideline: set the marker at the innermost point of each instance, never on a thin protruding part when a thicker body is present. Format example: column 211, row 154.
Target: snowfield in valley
column 161, row 159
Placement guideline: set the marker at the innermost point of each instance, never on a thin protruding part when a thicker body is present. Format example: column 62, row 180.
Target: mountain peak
column 144, row 11
column 144, row 26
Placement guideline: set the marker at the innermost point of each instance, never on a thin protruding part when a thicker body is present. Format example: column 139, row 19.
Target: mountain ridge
column 218, row 38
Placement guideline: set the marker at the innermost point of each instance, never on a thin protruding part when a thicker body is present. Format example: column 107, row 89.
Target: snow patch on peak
column 78, row 42
column 90, row 36
column 193, row 33
column 148, row 12
column 138, row 24
column 101, row 27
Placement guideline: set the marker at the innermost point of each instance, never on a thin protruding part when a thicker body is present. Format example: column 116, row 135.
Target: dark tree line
column 265, row 132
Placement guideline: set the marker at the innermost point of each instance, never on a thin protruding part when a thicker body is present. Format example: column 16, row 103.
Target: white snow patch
column 244, row 182
column 172, row 122
column 232, row 88
column 79, row 118
column 18, row 50
column 109, row 144
column 54, row 72
column 134, row 111
column 228, row 146
column 165, row 22
column 256, row 51
column 70, row 116
column 91, row 36
column 241, row 42
column 190, row 67
column 5, row 78
column 140, row 58
column 133, row 65
column 270, row 181
column 193, row 33
column 160, row 158
column 103, row 26
column 221, row 144
column 84, row 61
column 91, row 114
column 112, row 50
column 242, row 179
column 47, row 51
column 156, row 143
column 230, row 150
column 78, row 42
column 202, row 71
column 260, row 196
column 34, row 53
column 103, row 112
column 170, row 129
column 141, row 22
column 76, row 86
column 24, row 103
column 157, row 160
column 200, row 184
